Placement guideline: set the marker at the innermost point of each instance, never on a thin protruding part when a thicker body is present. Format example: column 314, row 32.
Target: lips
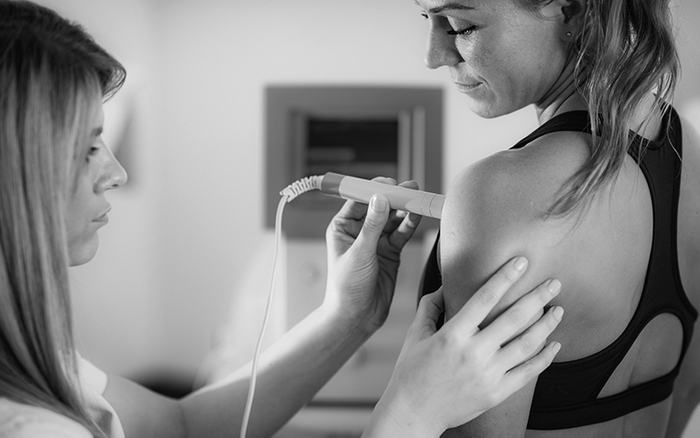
column 466, row 87
column 103, row 218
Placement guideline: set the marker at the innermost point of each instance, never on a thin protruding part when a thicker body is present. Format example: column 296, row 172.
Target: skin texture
column 495, row 209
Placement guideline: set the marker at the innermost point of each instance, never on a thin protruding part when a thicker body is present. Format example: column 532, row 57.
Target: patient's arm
column 484, row 223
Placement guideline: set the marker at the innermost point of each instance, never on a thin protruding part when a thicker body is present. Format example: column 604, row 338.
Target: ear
column 569, row 13
column 573, row 11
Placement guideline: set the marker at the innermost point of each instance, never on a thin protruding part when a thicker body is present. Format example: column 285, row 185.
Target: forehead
column 437, row 6
column 96, row 116
column 442, row 6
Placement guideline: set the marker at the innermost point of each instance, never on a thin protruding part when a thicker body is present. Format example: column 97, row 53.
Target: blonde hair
column 624, row 51
column 52, row 75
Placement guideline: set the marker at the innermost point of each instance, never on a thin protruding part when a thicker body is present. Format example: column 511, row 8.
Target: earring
column 568, row 34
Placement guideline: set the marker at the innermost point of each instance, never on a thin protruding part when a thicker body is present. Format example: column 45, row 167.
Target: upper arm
column 480, row 231
column 494, row 211
column 492, row 214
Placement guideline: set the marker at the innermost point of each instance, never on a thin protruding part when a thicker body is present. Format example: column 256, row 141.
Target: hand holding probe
column 361, row 190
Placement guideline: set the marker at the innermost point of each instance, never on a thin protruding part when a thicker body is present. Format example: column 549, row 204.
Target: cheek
column 82, row 239
column 493, row 58
column 476, row 53
column 80, row 233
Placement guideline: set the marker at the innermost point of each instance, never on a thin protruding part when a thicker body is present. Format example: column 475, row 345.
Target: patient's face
column 501, row 56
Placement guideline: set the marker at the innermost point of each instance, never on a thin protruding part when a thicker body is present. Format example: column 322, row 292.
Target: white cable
column 256, row 356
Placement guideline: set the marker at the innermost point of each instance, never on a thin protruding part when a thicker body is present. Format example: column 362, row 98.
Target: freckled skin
column 517, row 57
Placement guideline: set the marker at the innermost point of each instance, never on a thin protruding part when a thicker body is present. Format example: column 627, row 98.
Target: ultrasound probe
column 361, row 190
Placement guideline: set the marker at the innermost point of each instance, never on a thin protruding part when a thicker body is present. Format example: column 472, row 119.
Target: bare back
column 601, row 260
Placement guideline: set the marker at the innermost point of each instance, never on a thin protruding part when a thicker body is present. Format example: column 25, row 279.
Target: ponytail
column 625, row 50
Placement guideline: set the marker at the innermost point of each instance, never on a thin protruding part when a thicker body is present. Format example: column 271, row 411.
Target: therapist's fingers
column 532, row 340
column 402, row 224
column 522, row 313
column 404, row 231
column 520, row 375
column 424, row 323
column 485, row 299
column 373, row 225
column 357, row 210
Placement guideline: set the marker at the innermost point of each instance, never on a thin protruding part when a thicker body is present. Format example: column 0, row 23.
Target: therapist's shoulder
column 23, row 421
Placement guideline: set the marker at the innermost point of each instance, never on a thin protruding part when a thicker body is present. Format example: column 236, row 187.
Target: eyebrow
column 448, row 6
column 97, row 132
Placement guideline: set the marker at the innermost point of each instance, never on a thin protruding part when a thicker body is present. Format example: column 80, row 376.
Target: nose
column 441, row 49
column 113, row 174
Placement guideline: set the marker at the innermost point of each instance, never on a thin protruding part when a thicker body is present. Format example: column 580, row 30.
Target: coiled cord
column 302, row 186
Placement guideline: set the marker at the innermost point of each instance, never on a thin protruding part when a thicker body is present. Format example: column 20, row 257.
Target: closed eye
column 468, row 31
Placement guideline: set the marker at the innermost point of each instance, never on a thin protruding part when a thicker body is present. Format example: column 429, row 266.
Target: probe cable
column 268, row 308
column 290, row 192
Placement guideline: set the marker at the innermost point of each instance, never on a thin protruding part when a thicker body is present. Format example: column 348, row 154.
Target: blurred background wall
column 185, row 235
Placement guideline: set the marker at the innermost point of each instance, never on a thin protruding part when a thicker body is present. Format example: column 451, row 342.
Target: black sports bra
column 566, row 394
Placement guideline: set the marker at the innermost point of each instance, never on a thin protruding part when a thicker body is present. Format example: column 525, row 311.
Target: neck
column 562, row 96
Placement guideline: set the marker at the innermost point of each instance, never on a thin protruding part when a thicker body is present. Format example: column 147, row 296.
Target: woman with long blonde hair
column 55, row 173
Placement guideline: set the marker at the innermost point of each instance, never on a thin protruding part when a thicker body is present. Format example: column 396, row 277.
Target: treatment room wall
column 186, row 231
column 188, row 228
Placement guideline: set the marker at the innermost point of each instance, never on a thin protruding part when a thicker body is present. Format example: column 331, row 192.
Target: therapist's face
column 87, row 206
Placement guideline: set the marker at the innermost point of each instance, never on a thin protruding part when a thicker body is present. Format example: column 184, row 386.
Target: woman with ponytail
column 604, row 195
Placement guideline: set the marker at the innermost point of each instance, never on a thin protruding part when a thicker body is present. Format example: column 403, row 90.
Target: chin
column 490, row 111
column 83, row 253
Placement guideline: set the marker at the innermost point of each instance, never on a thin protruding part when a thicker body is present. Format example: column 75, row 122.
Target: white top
column 22, row 421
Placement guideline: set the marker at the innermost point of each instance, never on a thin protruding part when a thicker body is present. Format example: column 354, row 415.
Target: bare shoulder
column 515, row 187
column 496, row 209
column 531, row 173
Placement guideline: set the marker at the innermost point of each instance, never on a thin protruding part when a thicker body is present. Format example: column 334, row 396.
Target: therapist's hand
column 364, row 245
column 448, row 377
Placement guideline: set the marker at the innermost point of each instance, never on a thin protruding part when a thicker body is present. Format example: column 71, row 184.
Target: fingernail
column 556, row 347
column 378, row 203
column 558, row 312
column 554, row 286
column 520, row 264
